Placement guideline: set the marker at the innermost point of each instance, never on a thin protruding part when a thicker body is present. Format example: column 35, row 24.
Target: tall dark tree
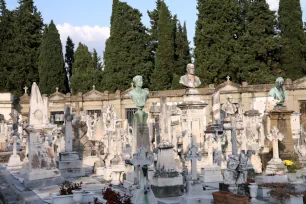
column 218, row 30
column 182, row 55
column 260, row 53
column 51, row 66
column 69, row 59
column 23, row 47
column 164, row 60
column 96, row 60
column 293, row 38
column 154, row 16
column 6, row 32
column 127, row 53
column 83, row 77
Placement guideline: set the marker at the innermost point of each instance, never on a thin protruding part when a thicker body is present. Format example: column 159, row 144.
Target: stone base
column 90, row 161
column 108, row 172
column 43, row 182
column 211, row 174
column 271, row 179
column 70, row 173
column 42, row 174
column 163, row 187
column 14, row 163
column 276, row 166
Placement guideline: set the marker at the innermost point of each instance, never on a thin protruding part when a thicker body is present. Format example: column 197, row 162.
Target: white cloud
column 273, row 4
column 93, row 37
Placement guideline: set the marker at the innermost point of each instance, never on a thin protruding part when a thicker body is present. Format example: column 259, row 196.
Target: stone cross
column 14, row 145
column 274, row 137
column 228, row 78
column 193, row 156
column 68, row 130
column 141, row 159
column 25, row 90
column 234, row 139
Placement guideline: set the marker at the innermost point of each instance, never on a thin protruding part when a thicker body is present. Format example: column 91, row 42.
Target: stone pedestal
column 281, row 118
column 275, row 166
column 70, row 164
column 14, row 163
column 211, row 174
column 166, row 181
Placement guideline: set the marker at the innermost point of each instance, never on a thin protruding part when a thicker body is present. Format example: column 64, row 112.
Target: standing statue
column 190, row 79
column 279, row 92
column 140, row 128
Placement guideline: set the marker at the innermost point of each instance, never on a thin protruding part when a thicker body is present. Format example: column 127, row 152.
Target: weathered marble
column 190, row 80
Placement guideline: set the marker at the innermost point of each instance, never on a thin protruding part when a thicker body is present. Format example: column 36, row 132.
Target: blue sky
column 89, row 21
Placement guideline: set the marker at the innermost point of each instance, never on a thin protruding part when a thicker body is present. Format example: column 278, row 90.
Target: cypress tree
column 218, row 30
column 83, row 77
column 164, row 60
column 182, row 55
column 260, row 41
column 69, row 59
column 6, row 32
column 127, row 52
column 96, row 60
column 51, row 64
column 154, row 16
column 293, row 38
column 23, row 54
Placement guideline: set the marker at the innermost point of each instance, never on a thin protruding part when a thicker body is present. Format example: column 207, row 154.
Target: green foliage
column 96, row 60
column 260, row 52
column 21, row 31
column 127, row 51
column 154, row 16
column 51, row 65
column 69, row 59
column 84, row 74
column 164, row 59
column 293, row 39
column 217, row 42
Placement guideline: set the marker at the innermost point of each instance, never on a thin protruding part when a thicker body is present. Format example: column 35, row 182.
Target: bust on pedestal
column 140, row 127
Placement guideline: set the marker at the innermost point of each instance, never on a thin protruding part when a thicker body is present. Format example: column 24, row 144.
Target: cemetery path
column 10, row 194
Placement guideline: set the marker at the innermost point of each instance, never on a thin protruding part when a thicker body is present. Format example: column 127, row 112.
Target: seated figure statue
column 190, row 80
column 279, row 92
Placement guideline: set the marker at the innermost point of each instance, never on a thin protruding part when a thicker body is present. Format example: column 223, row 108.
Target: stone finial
column 93, row 87
column 56, row 89
column 228, row 78
column 132, row 85
column 25, row 90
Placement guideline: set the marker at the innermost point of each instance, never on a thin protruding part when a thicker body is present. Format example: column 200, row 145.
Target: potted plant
column 110, row 196
column 283, row 195
column 291, row 170
column 264, row 188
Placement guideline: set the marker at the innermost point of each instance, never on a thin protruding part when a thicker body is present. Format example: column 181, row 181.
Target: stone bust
column 229, row 108
column 138, row 94
column 279, row 92
column 190, row 80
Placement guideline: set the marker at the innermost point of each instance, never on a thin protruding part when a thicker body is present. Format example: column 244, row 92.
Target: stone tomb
column 70, row 164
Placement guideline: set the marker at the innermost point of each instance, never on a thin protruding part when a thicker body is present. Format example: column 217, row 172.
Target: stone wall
column 242, row 93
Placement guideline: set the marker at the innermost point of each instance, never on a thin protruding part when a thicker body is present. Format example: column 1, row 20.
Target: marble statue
column 140, row 127
column 242, row 168
column 190, row 79
column 231, row 173
column 229, row 108
column 279, row 92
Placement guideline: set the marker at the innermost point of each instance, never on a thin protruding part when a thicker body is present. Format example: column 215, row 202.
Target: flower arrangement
column 291, row 167
column 282, row 193
column 67, row 188
column 113, row 197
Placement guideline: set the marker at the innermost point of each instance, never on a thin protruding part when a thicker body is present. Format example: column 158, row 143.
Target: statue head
column 279, row 83
column 190, row 69
column 138, row 81
column 229, row 98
